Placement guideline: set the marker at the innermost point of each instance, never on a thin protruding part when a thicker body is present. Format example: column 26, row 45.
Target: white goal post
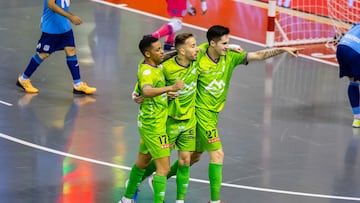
column 292, row 22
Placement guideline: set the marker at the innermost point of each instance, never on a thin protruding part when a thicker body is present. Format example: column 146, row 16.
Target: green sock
column 149, row 170
column 215, row 177
column 134, row 181
column 159, row 188
column 173, row 169
column 182, row 181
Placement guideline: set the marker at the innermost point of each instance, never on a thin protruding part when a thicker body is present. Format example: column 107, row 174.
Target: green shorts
column 158, row 145
column 182, row 133
column 207, row 137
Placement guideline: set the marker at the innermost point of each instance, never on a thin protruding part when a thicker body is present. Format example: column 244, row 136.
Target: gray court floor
column 286, row 128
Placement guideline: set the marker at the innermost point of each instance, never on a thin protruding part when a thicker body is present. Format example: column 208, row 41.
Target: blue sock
column 32, row 66
column 353, row 93
column 73, row 65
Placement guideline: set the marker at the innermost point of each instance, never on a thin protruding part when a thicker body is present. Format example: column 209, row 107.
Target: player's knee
column 163, row 171
column 70, row 51
column 195, row 157
column 217, row 156
column 43, row 56
column 176, row 24
column 185, row 159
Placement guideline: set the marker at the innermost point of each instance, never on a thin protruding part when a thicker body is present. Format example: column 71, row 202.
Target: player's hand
column 137, row 98
column 172, row 95
column 293, row 51
column 76, row 20
column 179, row 84
column 236, row 48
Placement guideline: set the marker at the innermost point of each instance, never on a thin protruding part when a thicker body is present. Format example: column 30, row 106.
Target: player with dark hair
column 56, row 35
column 347, row 54
column 152, row 117
column 216, row 69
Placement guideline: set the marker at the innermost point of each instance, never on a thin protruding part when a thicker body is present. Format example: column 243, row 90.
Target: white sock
column 22, row 77
column 77, row 84
column 179, row 201
column 215, row 201
column 357, row 116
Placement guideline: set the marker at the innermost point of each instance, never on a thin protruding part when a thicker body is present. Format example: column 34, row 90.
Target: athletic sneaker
column 356, row 123
column 124, row 200
column 134, row 198
column 26, row 85
column 84, row 89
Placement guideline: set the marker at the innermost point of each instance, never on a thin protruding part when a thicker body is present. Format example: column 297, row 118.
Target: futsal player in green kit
column 152, row 117
column 216, row 69
column 181, row 123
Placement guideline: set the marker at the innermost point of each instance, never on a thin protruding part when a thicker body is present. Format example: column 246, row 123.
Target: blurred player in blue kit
column 56, row 35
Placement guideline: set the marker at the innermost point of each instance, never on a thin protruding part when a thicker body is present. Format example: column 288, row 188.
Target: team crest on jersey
column 188, row 89
column 215, row 87
column 146, row 72
column 46, row 47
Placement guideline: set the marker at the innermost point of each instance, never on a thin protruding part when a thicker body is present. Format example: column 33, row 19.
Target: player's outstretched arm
column 149, row 91
column 268, row 53
column 57, row 9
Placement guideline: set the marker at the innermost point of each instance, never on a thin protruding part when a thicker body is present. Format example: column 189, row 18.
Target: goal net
column 344, row 14
column 312, row 21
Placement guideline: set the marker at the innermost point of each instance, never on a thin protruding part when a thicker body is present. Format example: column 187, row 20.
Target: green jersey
column 214, row 79
column 182, row 107
column 153, row 111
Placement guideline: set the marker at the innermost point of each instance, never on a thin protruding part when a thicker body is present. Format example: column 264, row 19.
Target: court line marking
column 5, row 103
column 35, row 146
column 201, row 28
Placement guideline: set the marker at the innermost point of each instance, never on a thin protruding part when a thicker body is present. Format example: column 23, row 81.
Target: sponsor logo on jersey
column 165, row 146
column 214, row 140
column 215, row 87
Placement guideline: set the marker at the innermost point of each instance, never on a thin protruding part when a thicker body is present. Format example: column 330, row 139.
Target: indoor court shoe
column 356, row 123
column 84, row 89
column 26, row 85
column 124, row 200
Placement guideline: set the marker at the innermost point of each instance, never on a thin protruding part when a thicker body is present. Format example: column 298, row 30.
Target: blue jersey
column 352, row 38
column 52, row 22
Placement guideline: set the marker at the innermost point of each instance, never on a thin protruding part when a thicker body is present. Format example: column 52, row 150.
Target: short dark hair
column 146, row 43
column 215, row 32
column 181, row 38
